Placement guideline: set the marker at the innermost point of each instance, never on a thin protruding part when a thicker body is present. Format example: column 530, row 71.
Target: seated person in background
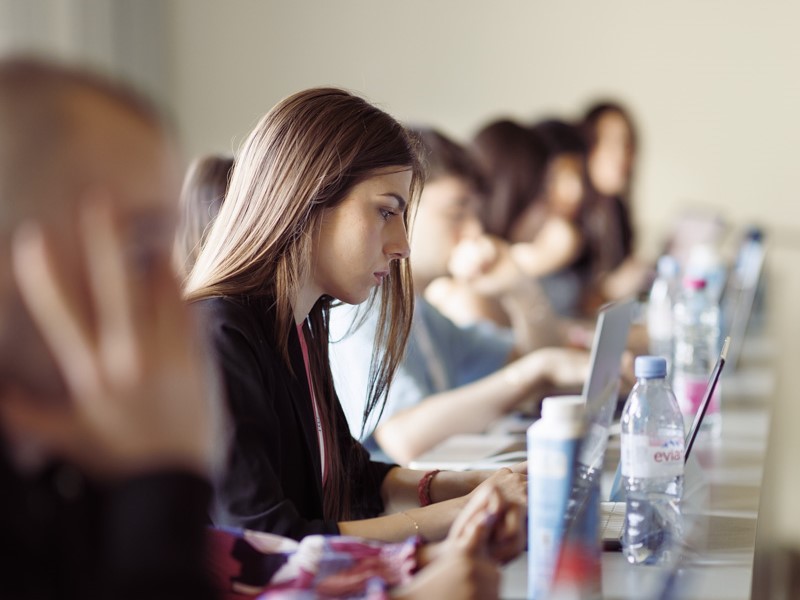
column 452, row 379
column 543, row 230
column 547, row 239
column 477, row 281
column 316, row 213
column 611, row 152
column 106, row 438
column 202, row 194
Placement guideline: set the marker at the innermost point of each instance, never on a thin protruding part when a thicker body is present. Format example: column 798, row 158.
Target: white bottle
column 652, row 448
column 552, row 451
column 706, row 262
column 663, row 295
column 697, row 332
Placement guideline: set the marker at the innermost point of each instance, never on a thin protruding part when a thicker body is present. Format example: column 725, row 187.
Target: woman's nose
column 397, row 246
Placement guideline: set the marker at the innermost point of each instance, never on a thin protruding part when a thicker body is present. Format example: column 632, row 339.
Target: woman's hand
column 565, row 367
column 465, row 565
column 490, row 524
column 138, row 398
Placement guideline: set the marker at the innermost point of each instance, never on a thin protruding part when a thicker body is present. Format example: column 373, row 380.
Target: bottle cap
column 694, row 283
column 563, row 407
column 650, row 367
column 754, row 233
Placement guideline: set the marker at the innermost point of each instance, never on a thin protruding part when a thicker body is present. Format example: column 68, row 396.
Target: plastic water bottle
column 706, row 262
column 697, row 332
column 652, row 464
column 552, row 451
column 663, row 295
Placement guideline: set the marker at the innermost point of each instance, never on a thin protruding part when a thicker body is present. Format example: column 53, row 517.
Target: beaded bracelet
column 424, row 487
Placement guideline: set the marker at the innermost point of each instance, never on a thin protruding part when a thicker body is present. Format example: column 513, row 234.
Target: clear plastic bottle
column 652, row 464
column 552, row 451
column 663, row 295
column 697, row 332
column 706, row 262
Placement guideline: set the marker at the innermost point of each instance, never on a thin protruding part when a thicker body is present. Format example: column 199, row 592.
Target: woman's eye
column 385, row 213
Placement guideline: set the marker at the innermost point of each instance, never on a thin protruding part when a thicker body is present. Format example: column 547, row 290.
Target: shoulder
column 246, row 313
column 236, row 324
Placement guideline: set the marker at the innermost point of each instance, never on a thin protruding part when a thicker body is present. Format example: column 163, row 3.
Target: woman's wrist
column 424, row 487
column 455, row 484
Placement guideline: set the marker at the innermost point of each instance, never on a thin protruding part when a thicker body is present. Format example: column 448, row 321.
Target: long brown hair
column 301, row 160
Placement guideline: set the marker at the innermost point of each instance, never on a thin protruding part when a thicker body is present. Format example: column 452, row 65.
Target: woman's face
column 360, row 237
column 611, row 158
column 565, row 185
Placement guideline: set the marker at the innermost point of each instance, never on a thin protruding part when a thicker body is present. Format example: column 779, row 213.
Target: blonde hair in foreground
column 302, row 159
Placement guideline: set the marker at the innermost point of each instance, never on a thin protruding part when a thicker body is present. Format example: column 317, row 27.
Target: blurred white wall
column 714, row 84
column 126, row 38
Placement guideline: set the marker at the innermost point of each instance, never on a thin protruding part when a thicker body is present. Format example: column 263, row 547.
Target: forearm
column 432, row 522
column 467, row 409
column 535, row 261
column 400, row 488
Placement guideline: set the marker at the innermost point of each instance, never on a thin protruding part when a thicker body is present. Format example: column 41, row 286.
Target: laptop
column 612, row 517
column 600, row 392
column 740, row 294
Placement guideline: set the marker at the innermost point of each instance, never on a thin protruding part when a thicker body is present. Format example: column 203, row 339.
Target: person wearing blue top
column 453, row 379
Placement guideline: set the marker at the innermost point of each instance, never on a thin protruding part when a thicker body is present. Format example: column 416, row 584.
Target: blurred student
column 547, row 243
column 512, row 159
column 202, row 194
column 316, row 212
column 106, row 442
column 611, row 152
column 548, row 240
column 452, row 379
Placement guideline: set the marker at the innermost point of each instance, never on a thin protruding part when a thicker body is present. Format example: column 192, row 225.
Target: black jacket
column 273, row 480
column 65, row 536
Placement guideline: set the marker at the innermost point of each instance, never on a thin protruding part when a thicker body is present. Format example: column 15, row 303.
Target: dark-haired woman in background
column 535, row 178
column 611, row 151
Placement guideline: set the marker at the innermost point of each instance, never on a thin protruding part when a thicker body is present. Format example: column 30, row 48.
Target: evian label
column 646, row 457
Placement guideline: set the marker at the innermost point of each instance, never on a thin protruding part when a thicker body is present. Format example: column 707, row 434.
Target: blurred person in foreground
column 107, row 440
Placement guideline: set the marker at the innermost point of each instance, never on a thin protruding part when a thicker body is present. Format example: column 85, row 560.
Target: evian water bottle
column 652, row 464
column 697, row 324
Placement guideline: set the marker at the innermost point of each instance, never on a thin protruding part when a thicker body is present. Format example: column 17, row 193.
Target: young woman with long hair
column 316, row 212
column 612, row 145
